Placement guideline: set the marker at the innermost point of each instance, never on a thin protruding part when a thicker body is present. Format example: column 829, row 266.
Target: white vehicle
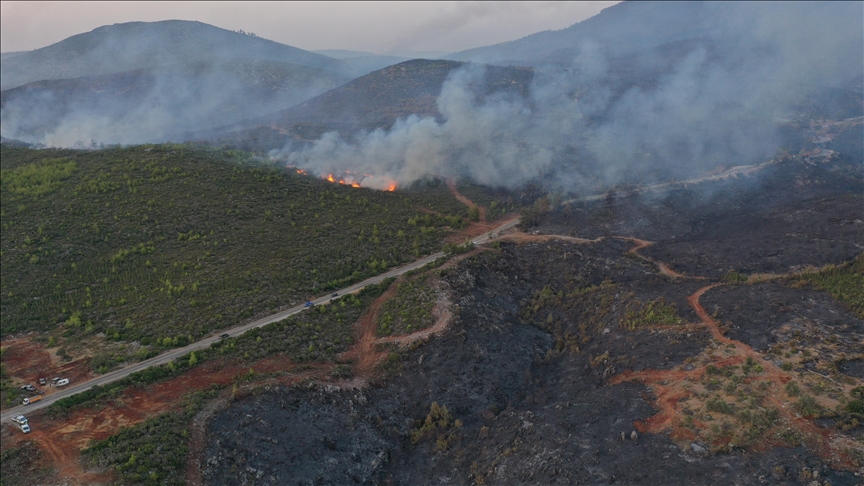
column 63, row 382
column 19, row 419
column 24, row 428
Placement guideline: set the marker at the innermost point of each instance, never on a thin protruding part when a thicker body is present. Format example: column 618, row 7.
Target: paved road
column 206, row 342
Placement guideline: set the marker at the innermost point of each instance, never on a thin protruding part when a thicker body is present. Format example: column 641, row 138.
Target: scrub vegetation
column 165, row 244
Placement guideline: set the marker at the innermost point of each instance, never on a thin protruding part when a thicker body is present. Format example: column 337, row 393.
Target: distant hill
column 148, row 82
column 343, row 53
column 7, row 55
column 631, row 29
column 159, row 103
column 141, row 45
column 375, row 100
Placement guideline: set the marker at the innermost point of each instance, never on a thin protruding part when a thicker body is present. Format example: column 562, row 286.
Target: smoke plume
column 661, row 113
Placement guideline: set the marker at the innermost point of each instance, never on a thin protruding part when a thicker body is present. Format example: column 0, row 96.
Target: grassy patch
column 844, row 283
column 410, row 309
column 653, row 313
column 153, row 451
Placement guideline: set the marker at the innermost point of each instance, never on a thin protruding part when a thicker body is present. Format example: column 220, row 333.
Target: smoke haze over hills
column 641, row 92
column 631, row 114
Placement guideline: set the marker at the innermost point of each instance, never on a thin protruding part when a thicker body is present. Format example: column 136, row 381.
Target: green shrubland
column 163, row 244
column 410, row 309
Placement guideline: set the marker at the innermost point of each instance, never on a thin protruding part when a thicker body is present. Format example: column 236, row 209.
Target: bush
column 719, row 405
column 655, row 312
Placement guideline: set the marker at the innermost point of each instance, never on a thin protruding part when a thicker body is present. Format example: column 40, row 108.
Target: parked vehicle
column 19, row 419
column 28, row 388
column 63, row 382
column 25, row 427
column 31, row 400
column 43, row 381
column 55, row 379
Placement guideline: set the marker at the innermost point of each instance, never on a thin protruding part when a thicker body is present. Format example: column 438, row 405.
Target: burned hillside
column 518, row 391
column 573, row 361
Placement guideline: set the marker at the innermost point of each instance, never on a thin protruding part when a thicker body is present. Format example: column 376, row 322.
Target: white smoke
column 719, row 104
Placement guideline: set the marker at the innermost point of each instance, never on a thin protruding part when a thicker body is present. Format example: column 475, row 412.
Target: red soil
column 451, row 184
column 26, row 361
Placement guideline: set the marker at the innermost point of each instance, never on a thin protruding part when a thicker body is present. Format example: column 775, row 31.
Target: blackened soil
column 763, row 315
column 788, row 215
column 813, row 232
column 524, row 369
column 305, row 431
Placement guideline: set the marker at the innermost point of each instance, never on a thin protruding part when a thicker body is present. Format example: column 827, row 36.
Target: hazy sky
column 378, row 27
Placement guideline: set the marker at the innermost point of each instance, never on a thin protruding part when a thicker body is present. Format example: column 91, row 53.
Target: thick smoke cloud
column 603, row 120
column 485, row 142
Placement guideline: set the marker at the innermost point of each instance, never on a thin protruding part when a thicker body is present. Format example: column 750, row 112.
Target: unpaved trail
column 198, row 438
column 451, row 184
column 668, row 387
column 662, row 267
column 363, row 352
column 638, row 245
column 443, row 316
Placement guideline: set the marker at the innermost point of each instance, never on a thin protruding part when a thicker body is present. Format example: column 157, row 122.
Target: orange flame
column 392, row 187
column 301, row 171
column 330, row 178
column 354, row 184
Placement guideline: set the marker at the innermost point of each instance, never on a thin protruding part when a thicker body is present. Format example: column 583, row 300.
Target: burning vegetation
column 353, row 179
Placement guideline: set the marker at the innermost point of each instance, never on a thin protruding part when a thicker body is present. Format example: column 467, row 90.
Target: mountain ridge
column 133, row 45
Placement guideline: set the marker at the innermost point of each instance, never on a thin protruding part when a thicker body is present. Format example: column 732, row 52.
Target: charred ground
column 573, row 361
column 519, row 397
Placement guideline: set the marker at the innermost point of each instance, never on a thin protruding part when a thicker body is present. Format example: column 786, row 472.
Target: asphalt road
column 173, row 354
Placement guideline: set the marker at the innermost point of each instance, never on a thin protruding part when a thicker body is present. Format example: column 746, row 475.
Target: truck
column 31, row 400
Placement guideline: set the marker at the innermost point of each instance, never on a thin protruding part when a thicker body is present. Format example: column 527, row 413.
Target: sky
column 377, row 27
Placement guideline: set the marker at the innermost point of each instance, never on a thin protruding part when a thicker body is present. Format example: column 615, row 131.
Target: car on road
column 308, row 304
column 31, row 401
column 224, row 336
column 335, row 294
